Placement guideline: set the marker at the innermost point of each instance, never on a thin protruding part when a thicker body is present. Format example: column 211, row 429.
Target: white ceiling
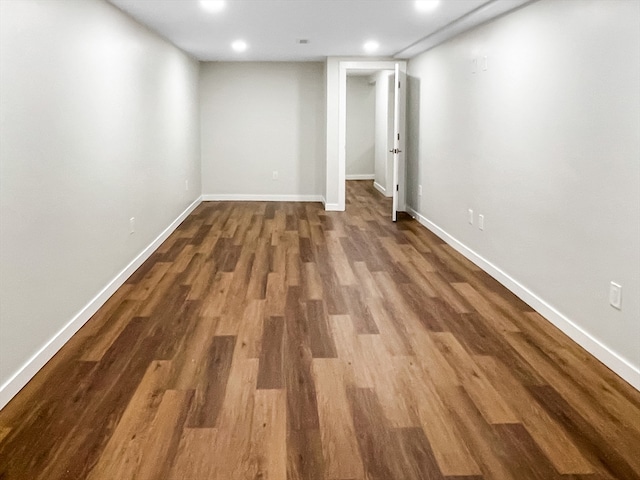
column 333, row 27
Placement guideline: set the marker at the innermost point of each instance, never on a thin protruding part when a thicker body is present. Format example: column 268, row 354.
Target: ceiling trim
column 484, row 13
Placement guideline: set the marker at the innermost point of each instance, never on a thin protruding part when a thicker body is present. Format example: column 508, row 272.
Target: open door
column 399, row 101
column 336, row 122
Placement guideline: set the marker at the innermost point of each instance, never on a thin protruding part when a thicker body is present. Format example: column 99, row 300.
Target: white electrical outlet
column 481, row 222
column 420, row 190
column 470, row 217
column 132, row 225
column 485, row 63
column 186, row 185
column 474, row 65
column 615, row 295
column 275, row 175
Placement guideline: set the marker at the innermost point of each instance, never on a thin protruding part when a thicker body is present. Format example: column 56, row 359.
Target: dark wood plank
column 306, row 251
column 374, row 438
column 205, row 413
column 600, row 447
column 270, row 374
column 415, row 454
column 320, row 340
column 31, row 443
column 359, row 311
column 302, row 407
column 304, row 454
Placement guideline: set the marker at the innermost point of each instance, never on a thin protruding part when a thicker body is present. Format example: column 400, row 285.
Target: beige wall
column 546, row 145
column 257, row 118
column 99, row 124
column 361, row 115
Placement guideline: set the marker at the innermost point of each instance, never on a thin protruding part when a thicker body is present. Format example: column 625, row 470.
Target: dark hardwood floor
column 279, row 341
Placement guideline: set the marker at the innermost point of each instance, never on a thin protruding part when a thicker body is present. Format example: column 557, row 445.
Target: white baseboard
column 240, row 197
column 19, row 379
column 363, row 176
column 610, row 358
column 380, row 188
column 333, row 207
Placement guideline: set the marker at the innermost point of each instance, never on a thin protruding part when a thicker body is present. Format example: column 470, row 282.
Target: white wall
column 546, row 144
column 323, row 148
column 99, row 123
column 332, row 146
column 361, row 112
column 257, row 118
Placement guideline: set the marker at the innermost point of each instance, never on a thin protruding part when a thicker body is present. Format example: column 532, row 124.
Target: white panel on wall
column 260, row 121
column 99, row 124
column 543, row 140
column 361, row 115
column 384, row 131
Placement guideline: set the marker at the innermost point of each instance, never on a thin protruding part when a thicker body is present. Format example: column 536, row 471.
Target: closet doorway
column 390, row 106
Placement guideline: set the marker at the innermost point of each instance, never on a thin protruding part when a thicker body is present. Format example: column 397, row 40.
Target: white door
column 399, row 101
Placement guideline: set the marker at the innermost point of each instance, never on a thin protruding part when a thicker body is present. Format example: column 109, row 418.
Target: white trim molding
column 19, row 379
column 380, row 188
column 610, row 358
column 361, row 176
column 343, row 67
column 240, row 197
column 333, row 207
column 482, row 14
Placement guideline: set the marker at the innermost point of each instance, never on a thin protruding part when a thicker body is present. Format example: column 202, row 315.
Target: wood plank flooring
column 279, row 341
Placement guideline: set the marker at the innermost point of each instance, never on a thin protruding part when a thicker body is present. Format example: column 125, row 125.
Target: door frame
column 344, row 67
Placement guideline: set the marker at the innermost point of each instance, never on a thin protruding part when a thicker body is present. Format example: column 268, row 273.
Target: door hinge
column 398, row 84
column 398, row 136
column 397, row 188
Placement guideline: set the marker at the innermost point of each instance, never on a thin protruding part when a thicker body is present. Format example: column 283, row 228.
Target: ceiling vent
column 302, row 41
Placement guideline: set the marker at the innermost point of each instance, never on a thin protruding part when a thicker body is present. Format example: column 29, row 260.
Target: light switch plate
column 615, row 295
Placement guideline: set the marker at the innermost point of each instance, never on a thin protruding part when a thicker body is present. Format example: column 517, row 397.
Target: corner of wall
column 20, row 378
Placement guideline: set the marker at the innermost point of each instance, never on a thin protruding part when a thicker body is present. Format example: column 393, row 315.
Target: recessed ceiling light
column 371, row 46
column 239, row 45
column 213, row 6
column 427, row 5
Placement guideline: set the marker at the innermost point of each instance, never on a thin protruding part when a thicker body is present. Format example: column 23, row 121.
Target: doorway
column 394, row 168
column 362, row 127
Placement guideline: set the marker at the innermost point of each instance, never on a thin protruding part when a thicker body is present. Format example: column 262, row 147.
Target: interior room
column 361, row 127
column 262, row 239
column 369, row 125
